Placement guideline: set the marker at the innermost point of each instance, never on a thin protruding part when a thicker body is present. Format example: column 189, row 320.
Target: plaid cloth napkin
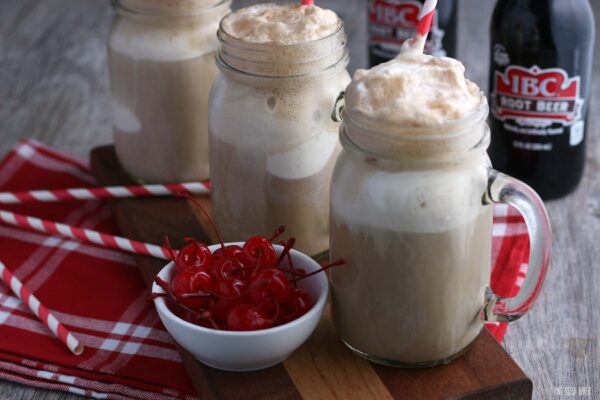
column 510, row 257
column 96, row 292
column 99, row 294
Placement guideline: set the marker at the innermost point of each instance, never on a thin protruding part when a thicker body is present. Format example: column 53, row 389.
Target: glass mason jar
column 273, row 142
column 161, row 61
column 411, row 214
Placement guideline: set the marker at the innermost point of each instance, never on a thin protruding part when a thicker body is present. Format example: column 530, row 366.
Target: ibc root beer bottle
column 540, row 81
column 391, row 22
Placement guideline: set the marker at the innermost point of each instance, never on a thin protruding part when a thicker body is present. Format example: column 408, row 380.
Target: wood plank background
column 54, row 87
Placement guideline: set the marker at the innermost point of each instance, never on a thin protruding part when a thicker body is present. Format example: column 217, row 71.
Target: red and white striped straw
column 85, row 235
column 40, row 311
column 425, row 19
column 108, row 192
column 307, row 2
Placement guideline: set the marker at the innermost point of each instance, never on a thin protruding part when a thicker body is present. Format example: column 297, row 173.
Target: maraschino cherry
column 238, row 288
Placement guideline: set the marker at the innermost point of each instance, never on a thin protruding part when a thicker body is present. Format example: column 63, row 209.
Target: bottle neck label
column 392, row 22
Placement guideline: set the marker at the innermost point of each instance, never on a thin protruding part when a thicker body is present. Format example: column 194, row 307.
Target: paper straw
column 422, row 30
column 426, row 17
column 109, row 192
column 40, row 311
column 85, row 235
column 308, row 2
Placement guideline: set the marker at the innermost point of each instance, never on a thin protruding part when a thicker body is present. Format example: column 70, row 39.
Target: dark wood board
column 322, row 367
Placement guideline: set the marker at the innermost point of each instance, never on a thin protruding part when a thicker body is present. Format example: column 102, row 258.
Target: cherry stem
column 203, row 314
column 210, row 220
column 257, row 263
column 292, row 271
column 276, row 312
column 163, row 284
column 286, row 252
column 198, row 295
column 167, row 245
column 278, row 232
column 289, row 256
column 153, row 296
column 233, row 271
column 166, row 287
column 259, row 284
column 333, row 264
column 287, row 247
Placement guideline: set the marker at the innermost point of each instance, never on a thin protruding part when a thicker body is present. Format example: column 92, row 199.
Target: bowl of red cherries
column 241, row 306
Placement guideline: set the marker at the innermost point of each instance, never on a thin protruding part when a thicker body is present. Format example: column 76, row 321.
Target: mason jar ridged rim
column 126, row 6
column 376, row 138
column 282, row 60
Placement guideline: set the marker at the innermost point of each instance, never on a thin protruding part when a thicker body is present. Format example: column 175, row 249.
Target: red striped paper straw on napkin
column 108, row 192
column 40, row 311
column 85, row 235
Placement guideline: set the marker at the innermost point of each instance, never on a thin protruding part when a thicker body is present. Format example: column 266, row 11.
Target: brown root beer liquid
column 391, row 22
column 540, row 81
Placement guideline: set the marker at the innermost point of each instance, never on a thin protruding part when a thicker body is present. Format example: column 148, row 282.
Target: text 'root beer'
column 539, row 91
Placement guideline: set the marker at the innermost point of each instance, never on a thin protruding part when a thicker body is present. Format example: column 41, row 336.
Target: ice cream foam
column 305, row 160
column 171, row 31
column 154, row 44
column 283, row 24
column 168, row 6
column 388, row 194
column 124, row 119
column 286, row 119
column 414, row 90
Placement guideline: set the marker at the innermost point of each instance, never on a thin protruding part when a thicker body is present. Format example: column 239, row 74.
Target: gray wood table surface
column 54, row 88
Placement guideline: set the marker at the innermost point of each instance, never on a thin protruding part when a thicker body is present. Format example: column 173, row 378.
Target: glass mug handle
column 336, row 115
column 504, row 189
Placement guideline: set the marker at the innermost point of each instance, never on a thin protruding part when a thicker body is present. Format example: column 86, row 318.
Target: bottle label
column 392, row 22
column 538, row 102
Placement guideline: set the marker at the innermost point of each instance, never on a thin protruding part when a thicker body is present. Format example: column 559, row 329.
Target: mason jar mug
column 273, row 143
column 411, row 214
column 162, row 66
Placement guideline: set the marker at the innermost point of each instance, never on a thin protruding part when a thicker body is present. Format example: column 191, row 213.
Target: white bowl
column 248, row 350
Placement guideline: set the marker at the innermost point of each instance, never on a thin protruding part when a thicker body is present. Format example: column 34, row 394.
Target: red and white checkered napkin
column 510, row 257
column 99, row 294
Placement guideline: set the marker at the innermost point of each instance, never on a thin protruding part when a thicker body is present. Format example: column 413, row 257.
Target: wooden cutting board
column 322, row 368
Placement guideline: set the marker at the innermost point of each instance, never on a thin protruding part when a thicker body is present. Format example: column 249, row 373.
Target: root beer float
column 411, row 214
column 272, row 140
column 161, row 60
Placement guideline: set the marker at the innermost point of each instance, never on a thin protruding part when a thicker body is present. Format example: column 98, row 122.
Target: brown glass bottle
column 540, row 81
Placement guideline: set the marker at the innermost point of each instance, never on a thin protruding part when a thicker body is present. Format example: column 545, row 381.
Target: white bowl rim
column 162, row 307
